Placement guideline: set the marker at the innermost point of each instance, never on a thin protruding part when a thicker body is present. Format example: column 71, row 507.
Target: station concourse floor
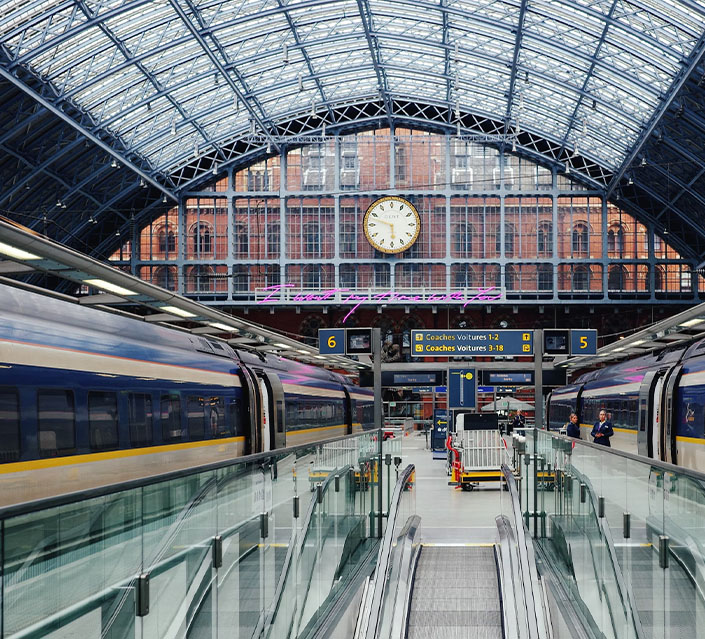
column 450, row 515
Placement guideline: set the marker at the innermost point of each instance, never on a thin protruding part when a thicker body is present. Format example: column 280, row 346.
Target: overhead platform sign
column 471, row 343
column 461, row 388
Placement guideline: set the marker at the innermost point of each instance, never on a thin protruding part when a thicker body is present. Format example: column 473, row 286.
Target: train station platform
column 358, row 537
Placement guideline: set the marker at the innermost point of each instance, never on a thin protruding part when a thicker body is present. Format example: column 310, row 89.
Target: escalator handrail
column 509, row 560
column 536, row 617
column 623, row 585
column 374, row 602
column 267, row 617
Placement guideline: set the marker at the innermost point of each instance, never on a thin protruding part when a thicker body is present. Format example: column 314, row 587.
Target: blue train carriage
column 561, row 403
column 81, row 385
column 689, row 414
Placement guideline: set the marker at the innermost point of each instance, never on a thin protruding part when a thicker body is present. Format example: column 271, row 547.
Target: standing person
column 602, row 430
column 519, row 421
column 572, row 428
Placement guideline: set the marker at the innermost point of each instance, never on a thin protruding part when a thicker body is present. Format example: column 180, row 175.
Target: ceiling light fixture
column 692, row 322
column 17, row 254
column 175, row 310
column 110, row 287
column 223, row 327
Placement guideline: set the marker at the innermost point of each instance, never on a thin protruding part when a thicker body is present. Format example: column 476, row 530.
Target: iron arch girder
column 678, row 82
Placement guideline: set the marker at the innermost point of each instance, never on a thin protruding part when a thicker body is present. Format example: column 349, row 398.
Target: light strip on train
column 17, row 254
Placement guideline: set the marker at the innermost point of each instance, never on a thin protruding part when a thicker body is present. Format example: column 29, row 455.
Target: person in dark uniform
column 602, row 430
column 519, row 422
column 572, row 428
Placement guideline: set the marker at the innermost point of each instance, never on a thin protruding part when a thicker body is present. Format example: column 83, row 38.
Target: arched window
column 201, row 279
column 580, row 238
column 382, row 276
column 659, row 278
column 202, row 239
column 615, row 239
column 545, row 238
column 464, row 276
column 242, row 240
column 273, row 239
column 347, row 240
column 510, row 278
column 312, row 276
column 241, row 279
column 509, row 237
column 167, row 241
column 348, row 276
column 617, row 277
column 408, row 276
column 545, row 275
column 462, row 239
column 581, row 278
column 312, row 240
column 165, row 276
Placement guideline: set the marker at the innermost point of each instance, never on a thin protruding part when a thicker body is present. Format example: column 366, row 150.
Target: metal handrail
column 374, row 603
column 267, row 617
column 110, row 489
column 623, row 585
column 509, row 565
column 530, row 579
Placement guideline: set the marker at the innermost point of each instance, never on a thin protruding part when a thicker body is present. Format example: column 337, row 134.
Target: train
column 656, row 403
column 80, row 385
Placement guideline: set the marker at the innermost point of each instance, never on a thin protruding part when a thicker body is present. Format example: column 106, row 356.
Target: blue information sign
column 439, row 433
column 331, row 341
column 508, row 378
column 471, row 343
column 461, row 388
column 583, row 341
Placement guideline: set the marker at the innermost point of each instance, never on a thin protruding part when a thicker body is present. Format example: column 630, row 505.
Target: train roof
column 47, row 316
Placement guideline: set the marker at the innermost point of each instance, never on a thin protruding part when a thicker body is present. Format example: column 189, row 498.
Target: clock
column 391, row 224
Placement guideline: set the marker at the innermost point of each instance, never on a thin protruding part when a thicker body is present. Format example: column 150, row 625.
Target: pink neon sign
column 344, row 296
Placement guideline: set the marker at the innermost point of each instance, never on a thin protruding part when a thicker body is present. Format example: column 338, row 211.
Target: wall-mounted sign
column 492, row 378
column 471, row 343
column 461, row 388
column 583, row 341
column 331, row 341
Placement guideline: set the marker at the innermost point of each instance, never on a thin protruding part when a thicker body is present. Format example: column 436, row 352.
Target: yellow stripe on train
column 69, row 460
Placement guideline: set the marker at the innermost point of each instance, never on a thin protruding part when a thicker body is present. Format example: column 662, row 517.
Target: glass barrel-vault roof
column 175, row 80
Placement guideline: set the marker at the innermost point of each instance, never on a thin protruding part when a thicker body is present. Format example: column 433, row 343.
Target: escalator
column 456, row 587
column 489, row 591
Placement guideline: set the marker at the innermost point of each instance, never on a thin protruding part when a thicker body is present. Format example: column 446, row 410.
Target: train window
column 9, row 425
column 196, row 417
column 215, row 416
column 102, row 420
column 140, row 415
column 171, row 417
column 233, row 425
column 57, row 422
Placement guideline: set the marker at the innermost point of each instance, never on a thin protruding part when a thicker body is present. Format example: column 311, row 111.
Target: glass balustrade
column 627, row 533
column 253, row 548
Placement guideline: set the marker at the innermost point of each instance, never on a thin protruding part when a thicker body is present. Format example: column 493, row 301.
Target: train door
column 347, row 413
column 669, row 450
column 273, row 390
column 655, row 421
column 253, row 443
column 266, row 420
column 646, row 418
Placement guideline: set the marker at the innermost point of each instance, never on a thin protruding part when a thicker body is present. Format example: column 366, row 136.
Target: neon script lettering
column 345, row 296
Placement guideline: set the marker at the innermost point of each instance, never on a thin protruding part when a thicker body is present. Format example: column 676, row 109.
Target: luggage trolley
column 481, row 451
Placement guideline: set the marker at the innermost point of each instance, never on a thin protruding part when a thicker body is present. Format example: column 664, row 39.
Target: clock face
column 391, row 224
